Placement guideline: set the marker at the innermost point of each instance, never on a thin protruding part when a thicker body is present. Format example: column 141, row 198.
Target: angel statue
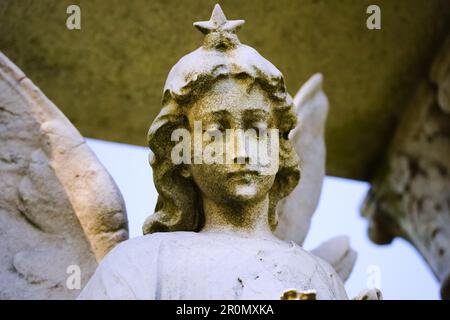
column 221, row 229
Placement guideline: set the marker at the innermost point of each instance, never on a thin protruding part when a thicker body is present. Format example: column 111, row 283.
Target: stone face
column 51, row 215
column 410, row 196
column 107, row 77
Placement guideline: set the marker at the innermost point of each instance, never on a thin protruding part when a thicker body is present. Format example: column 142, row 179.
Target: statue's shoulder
column 128, row 270
column 142, row 246
column 326, row 272
column 316, row 268
column 320, row 264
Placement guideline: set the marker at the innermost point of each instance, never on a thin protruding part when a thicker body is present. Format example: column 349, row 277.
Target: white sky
column 403, row 273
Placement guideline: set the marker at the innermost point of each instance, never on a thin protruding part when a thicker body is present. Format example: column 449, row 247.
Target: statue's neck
column 249, row 219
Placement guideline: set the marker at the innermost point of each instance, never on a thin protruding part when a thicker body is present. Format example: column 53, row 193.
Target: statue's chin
column 246, row 192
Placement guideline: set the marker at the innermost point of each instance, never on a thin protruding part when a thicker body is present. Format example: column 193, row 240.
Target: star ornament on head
column 218, row 25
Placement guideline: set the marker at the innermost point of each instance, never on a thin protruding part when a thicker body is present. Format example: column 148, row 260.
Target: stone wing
column 60, row 210
column 295, row 211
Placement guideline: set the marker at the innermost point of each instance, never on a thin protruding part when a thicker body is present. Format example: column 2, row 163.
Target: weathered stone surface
column 58, row 205
column 339, row 254
column 369, row 294
column 296, row 210
column 189, row 265
column 107, row 78
column 440, row 75
column 410, row 196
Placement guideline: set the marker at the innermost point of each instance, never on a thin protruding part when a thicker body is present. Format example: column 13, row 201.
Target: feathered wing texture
column 59, row 207
column 296, row 210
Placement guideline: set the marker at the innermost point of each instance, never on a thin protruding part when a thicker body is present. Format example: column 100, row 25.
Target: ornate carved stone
column 410, row 195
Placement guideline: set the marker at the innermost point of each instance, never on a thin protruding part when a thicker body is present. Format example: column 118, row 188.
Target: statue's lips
column 246, row 175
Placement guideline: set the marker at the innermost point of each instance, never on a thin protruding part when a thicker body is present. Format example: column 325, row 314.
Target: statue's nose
column 241, row 154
